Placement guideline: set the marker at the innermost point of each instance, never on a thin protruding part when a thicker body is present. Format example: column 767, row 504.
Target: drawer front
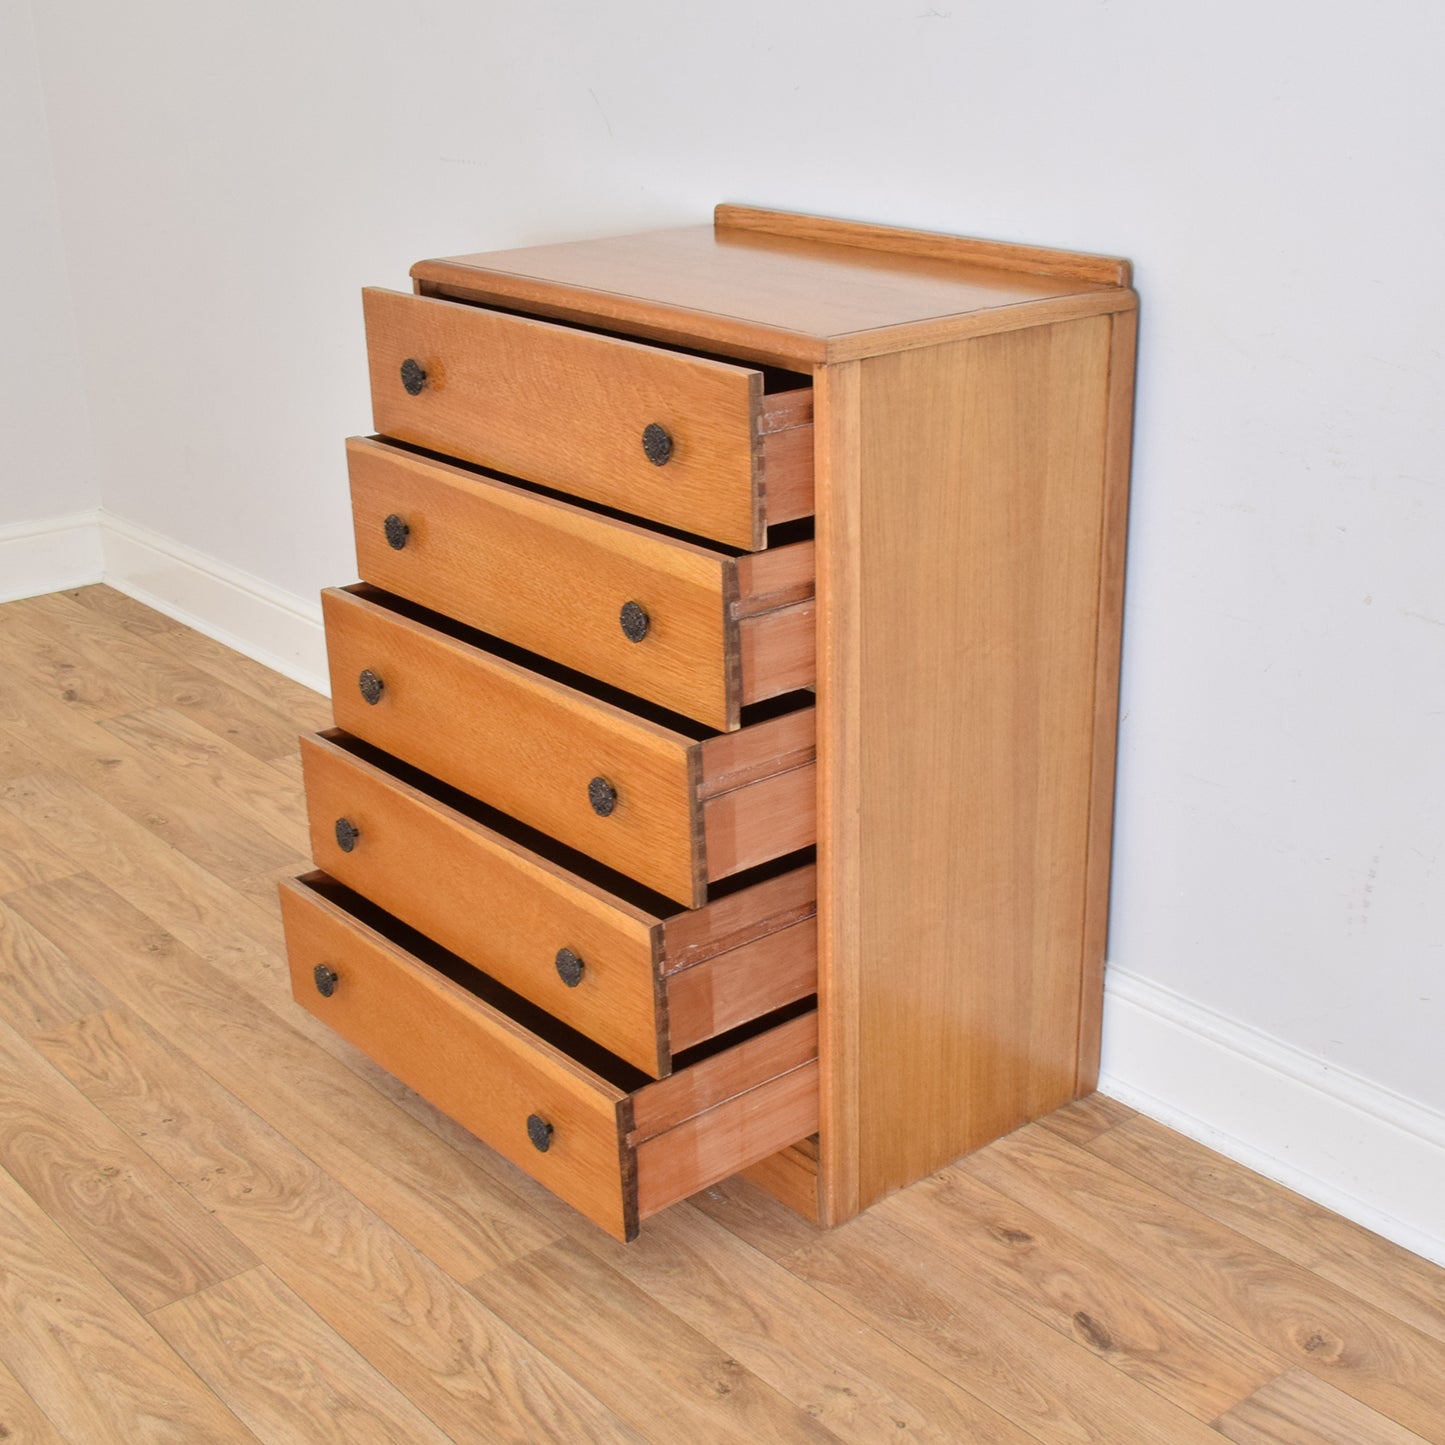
column 521, row 743
column 552, row 578
column 504, row 909
column 613, row 1151
column 468, row 1059
column 570, row 410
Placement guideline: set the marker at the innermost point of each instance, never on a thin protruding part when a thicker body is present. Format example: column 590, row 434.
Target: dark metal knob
column 634, row 620
column 346, row 834
column 539, row 1131
column 371, row 686
column 569, row 967
column 656, row 444
column 396, row 531
column 326, row 980
column 603, row 797
column 413, row 378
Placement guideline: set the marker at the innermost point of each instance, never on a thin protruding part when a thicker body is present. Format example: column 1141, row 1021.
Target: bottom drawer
column 592, row 1128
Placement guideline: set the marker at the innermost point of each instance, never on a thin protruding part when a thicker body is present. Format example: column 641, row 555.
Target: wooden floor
column 219, row 1223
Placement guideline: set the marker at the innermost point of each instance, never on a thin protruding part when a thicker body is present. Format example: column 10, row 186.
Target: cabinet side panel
column 982, row 465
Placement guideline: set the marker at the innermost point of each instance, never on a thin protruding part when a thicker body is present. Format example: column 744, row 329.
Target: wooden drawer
column 616, row 961
column 568, row 409
column 651, row 794
column 595, row 1131
column 707, row 632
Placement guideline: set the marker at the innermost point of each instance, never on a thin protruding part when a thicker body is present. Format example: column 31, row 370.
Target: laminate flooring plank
column 1087, row 1118
column 460, row 1219
column 464, row 1369
column 22, row 1421
column 1084, row 1293
column 1311, row 1323
column 123, row 611
column 74, row 641
column 136, row 1225
column 43, row 656
column 753, row 1215
column 244, row 787
column 99, row 1372
column 283, row 1371
column 178, row 808
column 644, row 1363
column 1397, row 1281
column 1299, row 1409
column 183, row 897
column 932, row 1304
column 40, row 986
column 26, row 858
column 848, row 1376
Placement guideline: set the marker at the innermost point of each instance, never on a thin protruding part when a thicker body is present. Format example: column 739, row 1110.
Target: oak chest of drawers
column 724, row 758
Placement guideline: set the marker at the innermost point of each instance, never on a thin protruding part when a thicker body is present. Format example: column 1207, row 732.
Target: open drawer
column 652, row 794
column 595, row 1131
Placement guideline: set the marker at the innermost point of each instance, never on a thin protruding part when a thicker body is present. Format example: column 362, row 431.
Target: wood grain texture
column 461, row 1221
column 974, row 818
column 1305, row 1320
column 897, row 241
column 487, row 1072
column 41, row 987
column 22, row 1422
column 84, row 1356
column 520, row 742
column 668, row 1381
column 149, row 1238
column 459, row 1365
column 1031, row 1375
column 837, row 393
column 788, row 300
column 567, row 409
column 283, row 1371
column 1309, row 1234
column 552, row 577
column 1114, row 527
column 1299, row 1409
column 791, row 1177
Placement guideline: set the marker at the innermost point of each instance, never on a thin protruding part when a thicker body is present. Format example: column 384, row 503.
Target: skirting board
column 50, row 555
column 1357, row 1148
column 233, row 607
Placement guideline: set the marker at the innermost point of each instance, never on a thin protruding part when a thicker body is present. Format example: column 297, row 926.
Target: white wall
column 230, row 176
column 47, row 467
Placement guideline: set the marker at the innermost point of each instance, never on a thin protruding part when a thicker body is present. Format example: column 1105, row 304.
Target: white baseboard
column 1362, row 1150
column 50, row 555
column 233, row 607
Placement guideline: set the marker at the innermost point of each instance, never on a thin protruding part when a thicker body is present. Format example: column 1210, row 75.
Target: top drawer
column 688, row 442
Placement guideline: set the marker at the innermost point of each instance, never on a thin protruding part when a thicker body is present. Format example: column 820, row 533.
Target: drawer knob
column 539, row 1131
column 346, row 834
column 603, row 797
column 569, row 967
column 413, row 378
column 371, row 686
column 396, row 531
column 656, row 444
column 634, row 620
column 326, row 980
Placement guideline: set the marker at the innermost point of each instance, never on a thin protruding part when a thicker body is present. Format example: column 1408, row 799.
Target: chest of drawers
column 723, row 768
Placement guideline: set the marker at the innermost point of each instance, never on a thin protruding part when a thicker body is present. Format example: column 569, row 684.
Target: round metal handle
column 413, row 378
column 569, row 967
column 539, row 1131
column 371, row 686
column 656, row 444
column 634, row 620
column 326, row 980
column 346, row 834
column 396, row 531
column 603, row 797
